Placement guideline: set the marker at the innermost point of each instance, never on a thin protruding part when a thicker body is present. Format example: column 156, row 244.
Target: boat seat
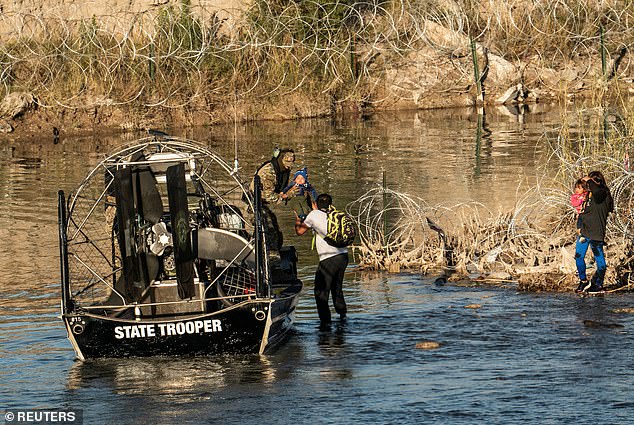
column 217, row 244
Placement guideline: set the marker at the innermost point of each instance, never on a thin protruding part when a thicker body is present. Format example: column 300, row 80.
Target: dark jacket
column 594, row 214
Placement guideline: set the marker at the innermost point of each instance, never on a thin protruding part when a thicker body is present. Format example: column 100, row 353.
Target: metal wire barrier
column 179, row 56
column 398, row 231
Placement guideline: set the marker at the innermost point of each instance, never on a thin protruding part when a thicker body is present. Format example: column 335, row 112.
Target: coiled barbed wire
column 536, row 236
column 176, row 56
column 397, row 228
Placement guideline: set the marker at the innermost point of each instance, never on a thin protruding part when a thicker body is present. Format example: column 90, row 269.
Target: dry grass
column 177, row 56
column 534, row 242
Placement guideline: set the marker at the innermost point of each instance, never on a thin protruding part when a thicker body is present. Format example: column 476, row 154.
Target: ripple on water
column 516, row 358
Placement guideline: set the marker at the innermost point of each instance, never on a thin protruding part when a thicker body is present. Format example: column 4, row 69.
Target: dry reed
column 534, row 242
column 190, row 56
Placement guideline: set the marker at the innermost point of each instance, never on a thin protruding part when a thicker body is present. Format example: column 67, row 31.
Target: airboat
column 163, row 251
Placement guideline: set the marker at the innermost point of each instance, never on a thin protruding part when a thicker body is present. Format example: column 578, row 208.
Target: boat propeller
column 179, row 216
column 162, row 239
column 139, row 203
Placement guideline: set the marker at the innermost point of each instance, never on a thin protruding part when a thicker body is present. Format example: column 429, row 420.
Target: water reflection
column 174, row 377
column 482, row 132
column 330, row 340
column 497, row 362
column 335, row 353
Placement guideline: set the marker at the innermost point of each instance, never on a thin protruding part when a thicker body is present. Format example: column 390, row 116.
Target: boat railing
column 63, row 252
column 246, row 298
column 98, row 277
column 225, row 269
column 263, row 288
column 88, row 241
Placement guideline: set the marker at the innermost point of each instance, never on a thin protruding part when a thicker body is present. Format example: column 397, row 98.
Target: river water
column 515, row 357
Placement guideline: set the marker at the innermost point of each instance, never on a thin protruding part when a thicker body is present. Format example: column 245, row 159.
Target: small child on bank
column 578, row 198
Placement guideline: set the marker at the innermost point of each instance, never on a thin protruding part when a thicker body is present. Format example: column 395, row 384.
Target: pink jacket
column 577, row 201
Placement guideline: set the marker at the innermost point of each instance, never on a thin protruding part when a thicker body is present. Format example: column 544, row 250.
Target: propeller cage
column 149, row 214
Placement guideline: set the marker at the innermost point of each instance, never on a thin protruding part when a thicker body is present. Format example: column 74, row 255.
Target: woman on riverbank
column 594, row 216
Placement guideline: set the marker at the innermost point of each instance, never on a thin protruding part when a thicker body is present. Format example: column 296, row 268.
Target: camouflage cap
column 288, row 159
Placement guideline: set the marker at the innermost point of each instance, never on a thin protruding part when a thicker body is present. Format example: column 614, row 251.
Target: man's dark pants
column 329, row 279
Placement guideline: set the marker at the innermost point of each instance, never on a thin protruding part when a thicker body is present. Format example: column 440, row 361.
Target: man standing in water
column 594, row 217
column 332, row 261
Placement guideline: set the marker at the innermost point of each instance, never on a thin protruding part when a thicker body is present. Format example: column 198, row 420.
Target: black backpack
column 341, row 230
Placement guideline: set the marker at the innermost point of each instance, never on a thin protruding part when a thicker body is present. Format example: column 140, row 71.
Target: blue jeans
column 580, row 254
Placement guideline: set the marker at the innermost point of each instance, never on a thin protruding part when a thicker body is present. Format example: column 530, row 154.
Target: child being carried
column 302, row 188
column 578, row 198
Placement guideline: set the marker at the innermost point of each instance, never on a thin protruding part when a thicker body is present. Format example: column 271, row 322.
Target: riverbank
column 37, row 120
column 176, row 64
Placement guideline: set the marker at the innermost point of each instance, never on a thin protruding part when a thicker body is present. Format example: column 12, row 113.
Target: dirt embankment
column 440, row 71
column 413, row 85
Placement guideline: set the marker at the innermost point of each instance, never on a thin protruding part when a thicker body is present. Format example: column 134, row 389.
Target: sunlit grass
column 178, row 54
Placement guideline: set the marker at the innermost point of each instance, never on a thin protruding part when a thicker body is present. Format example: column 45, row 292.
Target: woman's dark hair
column 324, row 201
column 597, row 176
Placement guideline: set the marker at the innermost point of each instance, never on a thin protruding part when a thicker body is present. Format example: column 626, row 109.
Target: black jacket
column 594, row 214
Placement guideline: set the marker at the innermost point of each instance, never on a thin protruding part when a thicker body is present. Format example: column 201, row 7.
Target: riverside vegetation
column 187, row 65
column 191, row 65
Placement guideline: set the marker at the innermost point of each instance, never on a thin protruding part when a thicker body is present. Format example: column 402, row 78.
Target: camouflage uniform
column 274, row 177
column 272, row 184
column 268, row 180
